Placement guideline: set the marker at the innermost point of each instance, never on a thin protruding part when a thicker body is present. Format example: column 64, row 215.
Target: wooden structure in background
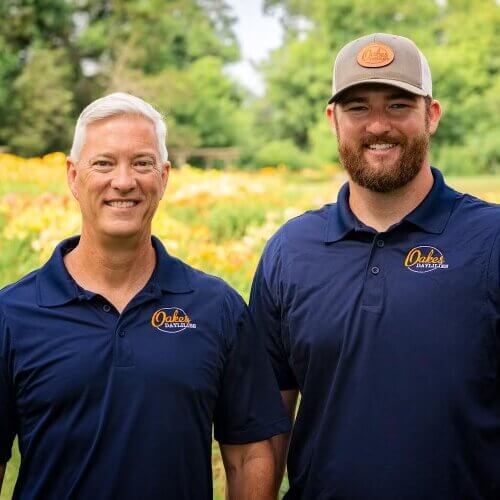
column 181, row 156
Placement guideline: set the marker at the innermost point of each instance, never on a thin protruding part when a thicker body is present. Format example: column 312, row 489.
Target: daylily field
column 216, row 220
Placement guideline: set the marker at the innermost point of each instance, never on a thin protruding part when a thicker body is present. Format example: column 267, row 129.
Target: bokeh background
column 58, row 55
column 249, row 154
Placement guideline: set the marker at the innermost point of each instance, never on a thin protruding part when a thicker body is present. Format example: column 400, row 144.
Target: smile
column 381, row 147
column 122, row 203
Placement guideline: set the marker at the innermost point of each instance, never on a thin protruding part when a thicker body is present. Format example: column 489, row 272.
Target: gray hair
column 118, row 104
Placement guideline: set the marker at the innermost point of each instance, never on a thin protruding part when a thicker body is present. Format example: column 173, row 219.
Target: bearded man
column 383, row 309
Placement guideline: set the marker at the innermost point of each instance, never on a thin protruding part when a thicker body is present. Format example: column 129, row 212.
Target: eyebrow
column 101, row 155
column 349, row 100
column 403, row 95
column 362, row 100
column 145, row 153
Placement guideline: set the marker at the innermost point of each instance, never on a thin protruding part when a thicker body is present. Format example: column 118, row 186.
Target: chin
column 122, row 233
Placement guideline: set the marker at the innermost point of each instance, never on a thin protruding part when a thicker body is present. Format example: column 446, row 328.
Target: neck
column 382, row 210
column 107, row 266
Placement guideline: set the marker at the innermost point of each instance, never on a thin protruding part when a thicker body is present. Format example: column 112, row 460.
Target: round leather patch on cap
column 375, row 55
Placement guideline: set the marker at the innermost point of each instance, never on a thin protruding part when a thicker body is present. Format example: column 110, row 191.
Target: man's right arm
column 2, row 472
column 281, row 442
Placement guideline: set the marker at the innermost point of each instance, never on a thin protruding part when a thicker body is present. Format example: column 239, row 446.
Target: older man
column 116, row 358
column 383, row 309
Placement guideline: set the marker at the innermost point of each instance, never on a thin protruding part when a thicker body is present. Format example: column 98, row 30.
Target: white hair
column 118, row 104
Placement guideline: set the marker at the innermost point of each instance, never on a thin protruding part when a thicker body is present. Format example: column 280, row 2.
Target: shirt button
column 106, row 308
column 380, row 243
column 375, row 270
column 121, row 334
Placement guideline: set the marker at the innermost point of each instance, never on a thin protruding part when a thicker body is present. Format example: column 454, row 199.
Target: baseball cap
column 382, row 58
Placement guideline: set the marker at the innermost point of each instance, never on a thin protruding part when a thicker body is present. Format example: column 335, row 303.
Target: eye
column 144, row 164
column 358, row 108
column 399, row 105
column 102, row 164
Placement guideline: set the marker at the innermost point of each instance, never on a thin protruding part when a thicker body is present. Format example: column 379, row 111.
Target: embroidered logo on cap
column 171, row 320
column 375, row 55
column 424, row 259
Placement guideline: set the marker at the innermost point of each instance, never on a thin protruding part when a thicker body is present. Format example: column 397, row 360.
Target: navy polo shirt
column 393, row 340
column 110, row 405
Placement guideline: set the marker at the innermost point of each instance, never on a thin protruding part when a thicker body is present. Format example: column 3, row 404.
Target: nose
column 124, row 178
column 378, row 123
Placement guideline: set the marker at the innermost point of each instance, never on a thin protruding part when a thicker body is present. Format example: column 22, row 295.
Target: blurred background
column 212, row 74
column 243, row 86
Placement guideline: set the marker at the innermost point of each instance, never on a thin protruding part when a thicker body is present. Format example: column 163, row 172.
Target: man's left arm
column 250, row 471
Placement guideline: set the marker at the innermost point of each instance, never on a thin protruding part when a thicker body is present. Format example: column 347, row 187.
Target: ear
column 165, row 175
column 330, row 116
column 435, row 112
column 71, row 175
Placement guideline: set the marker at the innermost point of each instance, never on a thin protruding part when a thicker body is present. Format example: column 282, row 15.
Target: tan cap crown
column 382, row 58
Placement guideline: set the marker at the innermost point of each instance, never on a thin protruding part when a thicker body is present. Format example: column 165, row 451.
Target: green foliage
column 323, row 143
column 58, row 55
column 40, row 118
column 280, row 152
column 231, row 221
column 16, row 259
column 460, row 39
column 298, row 79
column 171, row 52
column 213, row 106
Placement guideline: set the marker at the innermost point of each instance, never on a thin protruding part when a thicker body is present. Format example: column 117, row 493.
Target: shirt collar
column 170, row 274
column 431, row 215
column 55, row 286
column 341, row 220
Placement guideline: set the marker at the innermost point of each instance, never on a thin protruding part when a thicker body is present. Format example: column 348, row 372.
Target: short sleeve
column 494, row 282
column 249, row 407
column 267, row 310
column 7, row 408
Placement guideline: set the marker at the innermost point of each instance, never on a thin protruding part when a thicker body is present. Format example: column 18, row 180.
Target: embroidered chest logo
column 425, row 259
column 171, row 320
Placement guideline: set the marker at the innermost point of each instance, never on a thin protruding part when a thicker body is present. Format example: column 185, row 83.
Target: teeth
column 381, row 146
column 121, row 204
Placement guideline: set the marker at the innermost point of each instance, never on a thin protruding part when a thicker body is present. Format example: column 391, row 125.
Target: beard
column 385, row 176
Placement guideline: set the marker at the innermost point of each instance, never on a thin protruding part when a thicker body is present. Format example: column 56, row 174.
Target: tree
column 40, row 119
column 171, row 52
column 459, row 37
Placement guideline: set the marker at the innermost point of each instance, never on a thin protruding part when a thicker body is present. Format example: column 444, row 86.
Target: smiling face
column 118, row 180
column 383, row 134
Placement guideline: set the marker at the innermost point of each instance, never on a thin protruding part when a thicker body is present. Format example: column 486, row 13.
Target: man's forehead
column 365, row 90
column 125, row 134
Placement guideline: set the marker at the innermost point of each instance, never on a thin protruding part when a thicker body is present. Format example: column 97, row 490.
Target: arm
column 250, row 471
column 2, row 472
column 281, row 441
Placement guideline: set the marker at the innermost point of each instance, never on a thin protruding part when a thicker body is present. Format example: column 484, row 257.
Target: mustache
column 370, row 139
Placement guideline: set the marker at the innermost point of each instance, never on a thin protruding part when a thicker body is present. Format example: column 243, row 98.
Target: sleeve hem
column 255, row 434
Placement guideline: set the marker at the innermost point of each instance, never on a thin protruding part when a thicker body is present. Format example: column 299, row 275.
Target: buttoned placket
column 123, row 353
column 374, row 284
column 118, row 324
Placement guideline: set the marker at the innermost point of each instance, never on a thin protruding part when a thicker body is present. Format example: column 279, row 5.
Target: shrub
column 283, row 152
column 231, row 221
